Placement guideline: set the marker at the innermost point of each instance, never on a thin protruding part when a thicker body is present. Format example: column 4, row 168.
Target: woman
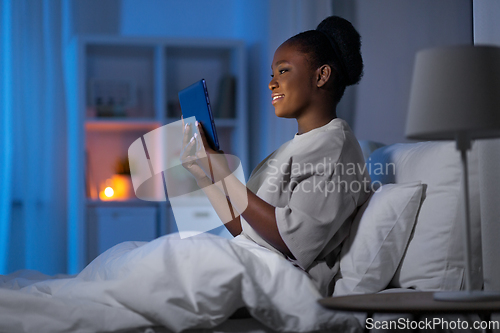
column 300, row 200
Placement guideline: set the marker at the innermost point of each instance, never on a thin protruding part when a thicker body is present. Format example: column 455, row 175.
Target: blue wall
column 247, row 20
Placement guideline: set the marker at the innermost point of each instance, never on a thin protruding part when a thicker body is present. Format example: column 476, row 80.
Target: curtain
column 33, row 133
column 5, row 132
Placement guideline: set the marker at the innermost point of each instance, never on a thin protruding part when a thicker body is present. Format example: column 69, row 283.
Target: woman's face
column 292, row 82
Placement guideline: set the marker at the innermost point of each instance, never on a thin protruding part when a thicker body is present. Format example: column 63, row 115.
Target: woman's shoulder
column 328, row 144
column 326, row 141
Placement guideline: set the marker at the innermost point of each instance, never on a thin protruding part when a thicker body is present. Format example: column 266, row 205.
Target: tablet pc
column 195, row 103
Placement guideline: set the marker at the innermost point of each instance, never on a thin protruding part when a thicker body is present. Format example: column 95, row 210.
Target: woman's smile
column 292, row 82
column 276, row 98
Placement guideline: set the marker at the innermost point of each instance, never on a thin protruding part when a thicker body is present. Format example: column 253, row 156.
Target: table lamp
column 455, row 95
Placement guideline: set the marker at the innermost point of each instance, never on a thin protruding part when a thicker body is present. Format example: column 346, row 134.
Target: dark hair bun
column 348, row 44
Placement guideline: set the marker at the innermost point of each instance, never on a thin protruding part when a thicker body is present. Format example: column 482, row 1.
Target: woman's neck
column 311, row 121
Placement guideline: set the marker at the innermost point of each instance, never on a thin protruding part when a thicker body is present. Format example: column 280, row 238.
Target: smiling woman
column 294, row 83
column 302, row 216
column 328, row 58
column 290, row 221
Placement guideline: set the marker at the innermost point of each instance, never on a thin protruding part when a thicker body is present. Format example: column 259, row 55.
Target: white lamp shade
column 455, row 90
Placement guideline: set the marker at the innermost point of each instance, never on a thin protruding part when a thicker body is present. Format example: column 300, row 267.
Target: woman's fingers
column 203, row 136
column 186, row 152
column 186, row 131
column 194, row 147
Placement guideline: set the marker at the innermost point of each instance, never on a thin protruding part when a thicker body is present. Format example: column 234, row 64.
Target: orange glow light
column 116, row 188
column 108, row 191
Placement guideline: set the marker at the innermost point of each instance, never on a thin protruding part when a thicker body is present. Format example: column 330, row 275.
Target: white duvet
column 196, row 282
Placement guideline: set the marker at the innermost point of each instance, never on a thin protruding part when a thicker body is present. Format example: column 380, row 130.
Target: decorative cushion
column 434, row 259
column 378, row 238
column 368, row 147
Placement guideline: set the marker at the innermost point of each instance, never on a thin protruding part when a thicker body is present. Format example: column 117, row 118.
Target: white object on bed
column 378, row 238
column 180, row 284
column 434, row 257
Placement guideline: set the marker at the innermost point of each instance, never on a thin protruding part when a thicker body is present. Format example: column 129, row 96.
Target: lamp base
column 467, row 296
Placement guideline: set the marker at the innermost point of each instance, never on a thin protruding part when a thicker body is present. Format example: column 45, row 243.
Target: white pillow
column 378, row 238
column 434, row 257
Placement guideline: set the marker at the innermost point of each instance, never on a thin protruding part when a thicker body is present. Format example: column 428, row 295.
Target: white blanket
column 196, row 282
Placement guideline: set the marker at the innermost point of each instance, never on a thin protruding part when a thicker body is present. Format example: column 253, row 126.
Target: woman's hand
column 191, row 152
column 199, row 158
column 215, row 165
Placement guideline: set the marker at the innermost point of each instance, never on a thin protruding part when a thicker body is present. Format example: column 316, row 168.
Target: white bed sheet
column 249, row 325
column 179, row 284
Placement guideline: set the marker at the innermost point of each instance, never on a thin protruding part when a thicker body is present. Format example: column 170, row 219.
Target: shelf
column 122, row 75
column 219, row 122
column 122, row 203
column 121, row 124
column 124, row 124
column 138, row 79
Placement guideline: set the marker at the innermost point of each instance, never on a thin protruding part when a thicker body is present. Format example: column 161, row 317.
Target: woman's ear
column 323, row 75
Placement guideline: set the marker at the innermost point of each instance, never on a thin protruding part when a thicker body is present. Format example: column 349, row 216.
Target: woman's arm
column 258, row 213
column 222, row 206
column 191, row 159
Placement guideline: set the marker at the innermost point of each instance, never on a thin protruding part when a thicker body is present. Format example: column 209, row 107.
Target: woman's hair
column 334, row 42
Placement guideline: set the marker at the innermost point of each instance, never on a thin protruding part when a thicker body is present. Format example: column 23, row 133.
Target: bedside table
column 414, row 303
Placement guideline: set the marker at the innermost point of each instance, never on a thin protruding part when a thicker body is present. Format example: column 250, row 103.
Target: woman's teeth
column 277, row 97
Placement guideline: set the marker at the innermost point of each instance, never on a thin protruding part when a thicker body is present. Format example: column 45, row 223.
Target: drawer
column 109, row 226
column 195, row 218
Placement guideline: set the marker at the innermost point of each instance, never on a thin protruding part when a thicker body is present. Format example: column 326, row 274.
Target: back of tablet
column 195, row 103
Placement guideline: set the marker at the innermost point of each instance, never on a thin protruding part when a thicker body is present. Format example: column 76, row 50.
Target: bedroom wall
column 392, row 32
column 487, row 31
column 245, row 20
column 262, row 24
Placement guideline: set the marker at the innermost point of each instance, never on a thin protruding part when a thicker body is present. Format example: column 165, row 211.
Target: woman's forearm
column 222, row 206
column 258, row 213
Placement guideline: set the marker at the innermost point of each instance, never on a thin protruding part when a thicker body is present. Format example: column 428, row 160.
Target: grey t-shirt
column 316, row 181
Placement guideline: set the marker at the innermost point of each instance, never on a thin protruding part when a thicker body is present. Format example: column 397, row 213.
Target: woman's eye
column 281, row 71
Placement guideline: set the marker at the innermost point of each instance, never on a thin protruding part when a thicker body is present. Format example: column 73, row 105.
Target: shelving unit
column 120, row 88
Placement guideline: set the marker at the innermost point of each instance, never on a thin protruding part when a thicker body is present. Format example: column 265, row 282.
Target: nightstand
column 414, row 303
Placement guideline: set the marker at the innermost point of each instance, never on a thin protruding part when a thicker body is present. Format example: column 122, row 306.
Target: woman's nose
column 273, row 84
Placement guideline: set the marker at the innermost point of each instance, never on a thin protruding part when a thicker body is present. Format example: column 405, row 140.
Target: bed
column 404, row 237
column 137, row 285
